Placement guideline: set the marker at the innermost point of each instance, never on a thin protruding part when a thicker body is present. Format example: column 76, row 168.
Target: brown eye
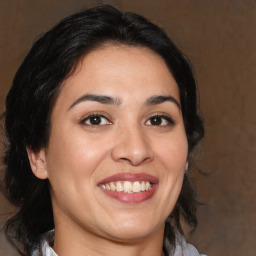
column 156, row 120
column 96, row 120
column 159, row 120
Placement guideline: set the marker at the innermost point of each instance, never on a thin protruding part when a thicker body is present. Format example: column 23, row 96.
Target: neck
column 70, row 243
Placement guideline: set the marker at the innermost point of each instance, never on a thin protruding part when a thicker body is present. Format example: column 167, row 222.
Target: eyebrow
column 104, row 99
column 158, row 99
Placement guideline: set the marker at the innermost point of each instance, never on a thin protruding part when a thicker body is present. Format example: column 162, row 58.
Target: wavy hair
column 35, row 88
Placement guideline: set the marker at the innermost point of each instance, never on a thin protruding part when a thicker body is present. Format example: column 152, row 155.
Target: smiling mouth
column 130, row 187
column 127, row 186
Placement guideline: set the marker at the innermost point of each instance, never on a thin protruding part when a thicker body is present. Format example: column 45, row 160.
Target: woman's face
column 117, row 150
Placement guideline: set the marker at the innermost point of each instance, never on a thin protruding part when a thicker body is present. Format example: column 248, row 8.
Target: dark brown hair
column 34, row 91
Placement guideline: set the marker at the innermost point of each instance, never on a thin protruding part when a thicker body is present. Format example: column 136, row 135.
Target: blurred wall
column 219, row 37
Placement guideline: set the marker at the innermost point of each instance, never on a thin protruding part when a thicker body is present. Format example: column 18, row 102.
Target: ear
column 186, row 167
column 38, row 163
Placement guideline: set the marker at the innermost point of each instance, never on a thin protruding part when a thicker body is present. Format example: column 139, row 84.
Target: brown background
column 219, row 36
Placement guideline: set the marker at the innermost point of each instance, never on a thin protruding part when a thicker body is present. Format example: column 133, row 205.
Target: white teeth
column 136, row 187
column 119, row 186
column 112, row 186
column 127, row 186
column 142, row 186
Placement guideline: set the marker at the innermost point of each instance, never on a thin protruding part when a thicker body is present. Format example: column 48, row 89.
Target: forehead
column 121, row 70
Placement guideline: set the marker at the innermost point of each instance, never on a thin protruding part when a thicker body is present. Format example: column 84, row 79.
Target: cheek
column 72, row 162
column 173, row 151
column 173, row 157
column 75, row 155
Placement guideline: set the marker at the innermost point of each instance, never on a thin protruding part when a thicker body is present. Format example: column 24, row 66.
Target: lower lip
column 132, row 198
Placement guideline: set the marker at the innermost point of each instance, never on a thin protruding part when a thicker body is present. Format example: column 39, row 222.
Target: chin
column 135, row 230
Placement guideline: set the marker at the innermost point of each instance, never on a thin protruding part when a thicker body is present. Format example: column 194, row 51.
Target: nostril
column 132, row 148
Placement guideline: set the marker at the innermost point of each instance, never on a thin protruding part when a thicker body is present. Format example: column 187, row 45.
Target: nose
column 132, row 146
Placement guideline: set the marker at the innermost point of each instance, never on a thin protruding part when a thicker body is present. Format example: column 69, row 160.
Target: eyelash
column 89, row 118
column 168, row 119
column 162, row 117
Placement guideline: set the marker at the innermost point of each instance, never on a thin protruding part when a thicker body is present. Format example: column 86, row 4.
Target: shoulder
column 43, row 246
column 182, row 248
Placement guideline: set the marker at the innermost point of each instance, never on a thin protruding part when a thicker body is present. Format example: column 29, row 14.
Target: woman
column 101, row 120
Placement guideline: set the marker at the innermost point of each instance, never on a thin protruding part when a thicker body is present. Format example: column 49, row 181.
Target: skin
column 80, row 154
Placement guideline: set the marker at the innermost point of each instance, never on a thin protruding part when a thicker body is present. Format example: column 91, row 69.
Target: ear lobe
column 186, row 167
column 38, row 163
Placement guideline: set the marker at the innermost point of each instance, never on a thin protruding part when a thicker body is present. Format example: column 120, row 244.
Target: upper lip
column 127, row 176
